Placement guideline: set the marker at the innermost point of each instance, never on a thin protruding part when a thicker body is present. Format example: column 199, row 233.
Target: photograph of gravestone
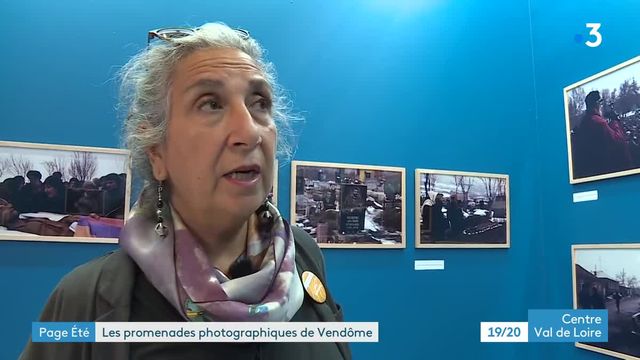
column 461, row 209
column 607, row 277
column 352, row 208
column 349, row 206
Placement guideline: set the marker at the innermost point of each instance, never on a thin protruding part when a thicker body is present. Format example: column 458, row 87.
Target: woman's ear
column 156, row 158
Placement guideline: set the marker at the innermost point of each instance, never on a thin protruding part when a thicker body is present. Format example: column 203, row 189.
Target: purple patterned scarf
column 178, row 267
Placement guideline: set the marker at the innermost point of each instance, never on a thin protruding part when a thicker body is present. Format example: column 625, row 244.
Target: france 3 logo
column 594, row 39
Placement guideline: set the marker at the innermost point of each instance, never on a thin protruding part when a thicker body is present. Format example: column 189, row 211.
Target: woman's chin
column 244, row 206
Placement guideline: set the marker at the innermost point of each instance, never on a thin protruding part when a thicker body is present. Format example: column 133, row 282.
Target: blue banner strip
column 568, row 326
column 63, row 332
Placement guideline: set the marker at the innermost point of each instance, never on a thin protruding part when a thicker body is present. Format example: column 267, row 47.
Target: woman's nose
column 244, row 131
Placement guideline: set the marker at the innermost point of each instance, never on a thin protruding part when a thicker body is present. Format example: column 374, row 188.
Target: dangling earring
column 265, row 218
column 161, row 229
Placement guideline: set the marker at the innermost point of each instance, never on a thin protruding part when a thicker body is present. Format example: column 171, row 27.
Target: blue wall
column 561, row 61
column 416, row 84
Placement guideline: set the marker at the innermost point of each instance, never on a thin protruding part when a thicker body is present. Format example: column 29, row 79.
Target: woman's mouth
column 244, row 175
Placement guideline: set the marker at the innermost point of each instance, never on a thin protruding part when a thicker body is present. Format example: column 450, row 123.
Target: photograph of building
column 608, row 277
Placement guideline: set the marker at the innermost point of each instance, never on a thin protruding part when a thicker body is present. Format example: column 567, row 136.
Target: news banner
column 204, row 332
column 551, row 326
column 542, row 326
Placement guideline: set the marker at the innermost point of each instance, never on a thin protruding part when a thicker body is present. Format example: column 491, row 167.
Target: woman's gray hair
column 144, row 95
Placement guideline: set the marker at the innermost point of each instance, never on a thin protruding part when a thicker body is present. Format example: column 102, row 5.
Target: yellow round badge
column 314, row 287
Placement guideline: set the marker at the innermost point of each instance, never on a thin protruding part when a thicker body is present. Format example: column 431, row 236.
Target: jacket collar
column 113, row 301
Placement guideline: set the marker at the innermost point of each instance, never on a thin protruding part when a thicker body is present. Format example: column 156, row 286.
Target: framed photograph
column 602, row 114
column 456, row 209
column 349, row 206
column 63, row 193
column 608, row 277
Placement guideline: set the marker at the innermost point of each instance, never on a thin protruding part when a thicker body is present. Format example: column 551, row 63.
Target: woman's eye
column 262, row 104
column 210, row 106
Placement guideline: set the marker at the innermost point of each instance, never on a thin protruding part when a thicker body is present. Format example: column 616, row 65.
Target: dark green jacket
column 101, row 291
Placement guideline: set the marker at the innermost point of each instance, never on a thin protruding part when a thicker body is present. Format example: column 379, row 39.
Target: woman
column 440, row 223
column 114, row 196
column 88, row 199
column 55, row 195
column 456, row 218
column 202, row 244
column 9, row 189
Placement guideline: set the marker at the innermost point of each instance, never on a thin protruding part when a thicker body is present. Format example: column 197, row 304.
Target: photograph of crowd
column 349, row 206
column 62, row 193
column 607, row 277
column 461, row 209
column 603, row 124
